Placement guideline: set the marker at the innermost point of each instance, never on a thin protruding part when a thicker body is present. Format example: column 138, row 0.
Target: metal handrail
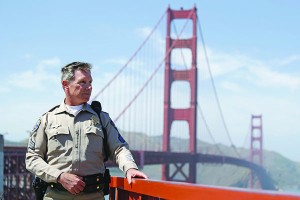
column 150, row 189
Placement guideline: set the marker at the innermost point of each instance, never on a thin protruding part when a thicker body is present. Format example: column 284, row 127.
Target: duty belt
column 93, row 183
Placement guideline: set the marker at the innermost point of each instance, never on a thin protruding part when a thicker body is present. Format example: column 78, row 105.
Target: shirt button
column 76, row 146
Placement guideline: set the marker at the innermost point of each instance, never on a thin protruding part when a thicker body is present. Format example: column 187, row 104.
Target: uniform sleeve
column 118, row 147
column 36, row 151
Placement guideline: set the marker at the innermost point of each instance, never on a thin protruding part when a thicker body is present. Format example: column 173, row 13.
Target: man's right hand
column 71, row 182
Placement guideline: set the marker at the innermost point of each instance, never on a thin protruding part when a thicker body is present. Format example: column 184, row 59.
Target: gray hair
column 67, row 72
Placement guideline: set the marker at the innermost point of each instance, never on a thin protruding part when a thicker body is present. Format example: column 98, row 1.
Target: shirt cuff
column 54, row 176
column 129, row 166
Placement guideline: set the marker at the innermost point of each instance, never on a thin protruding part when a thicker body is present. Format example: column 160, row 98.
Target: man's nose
column 89, row 86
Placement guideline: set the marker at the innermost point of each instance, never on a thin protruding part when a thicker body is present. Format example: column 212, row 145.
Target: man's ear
column 65, row 84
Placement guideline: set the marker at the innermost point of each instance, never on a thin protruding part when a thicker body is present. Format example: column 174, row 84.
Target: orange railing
column 151, row 190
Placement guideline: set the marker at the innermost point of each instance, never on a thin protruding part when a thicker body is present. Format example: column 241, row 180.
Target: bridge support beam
column 177, row 114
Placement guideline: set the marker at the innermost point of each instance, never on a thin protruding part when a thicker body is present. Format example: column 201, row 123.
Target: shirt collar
column 63, row 108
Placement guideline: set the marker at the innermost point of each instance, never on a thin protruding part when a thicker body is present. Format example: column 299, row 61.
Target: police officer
column 66, row 144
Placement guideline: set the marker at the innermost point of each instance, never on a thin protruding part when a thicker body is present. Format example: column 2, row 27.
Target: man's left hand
column 134, row 173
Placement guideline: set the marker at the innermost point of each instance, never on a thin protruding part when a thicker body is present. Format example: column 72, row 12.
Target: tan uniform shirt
column 61, row 142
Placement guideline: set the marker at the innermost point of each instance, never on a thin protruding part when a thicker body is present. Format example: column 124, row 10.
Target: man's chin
column 85, row 100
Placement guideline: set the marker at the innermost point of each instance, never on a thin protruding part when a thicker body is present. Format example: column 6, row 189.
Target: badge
column 95, row 120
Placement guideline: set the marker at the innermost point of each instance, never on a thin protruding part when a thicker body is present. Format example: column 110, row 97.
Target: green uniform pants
column 54, row 194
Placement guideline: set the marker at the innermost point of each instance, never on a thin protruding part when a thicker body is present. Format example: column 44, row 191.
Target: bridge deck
column 154, row 157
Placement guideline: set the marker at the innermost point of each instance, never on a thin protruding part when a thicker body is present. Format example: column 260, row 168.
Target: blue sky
column 253, row 47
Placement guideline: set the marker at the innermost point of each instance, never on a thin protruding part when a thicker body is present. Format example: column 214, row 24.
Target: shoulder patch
column 113, row 124
column 121, row 139
column 31, row 144
column 36, row 126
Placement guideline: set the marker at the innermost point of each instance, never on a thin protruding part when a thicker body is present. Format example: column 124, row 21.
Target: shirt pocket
column 59, row 139
column 94, row 139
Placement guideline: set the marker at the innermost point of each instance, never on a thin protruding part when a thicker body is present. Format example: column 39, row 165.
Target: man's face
column 78, row 91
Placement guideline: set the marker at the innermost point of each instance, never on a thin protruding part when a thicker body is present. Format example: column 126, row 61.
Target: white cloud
column 156, row 40
column 28, row 80
column 37, row 78
column 144, row 32
column 182, row 58
column 289, row 60
column 243, row 68
column 54, row 62
column 257, row 87
column 227, row 85
column 223, row 63
column 266, row 77
column 4, row 89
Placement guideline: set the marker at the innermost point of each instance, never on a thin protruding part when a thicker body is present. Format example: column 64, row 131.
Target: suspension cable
column 215, row 90
column 208, row 130
column 130, row 59
column 198, row 106
column 152, row 75
column 247, row 136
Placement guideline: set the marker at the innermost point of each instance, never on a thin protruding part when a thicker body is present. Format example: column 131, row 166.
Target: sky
column 252, row 46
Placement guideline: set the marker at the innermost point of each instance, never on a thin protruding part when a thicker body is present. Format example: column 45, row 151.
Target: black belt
column 93, row 183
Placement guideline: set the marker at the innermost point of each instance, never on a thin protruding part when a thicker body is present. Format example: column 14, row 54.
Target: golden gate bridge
column 155, row 94
column 137, row 88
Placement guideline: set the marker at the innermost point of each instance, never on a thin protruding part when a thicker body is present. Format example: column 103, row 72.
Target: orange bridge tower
column 180, row 114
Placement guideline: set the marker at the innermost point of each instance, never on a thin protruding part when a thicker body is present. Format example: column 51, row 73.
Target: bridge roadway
column 155, row 157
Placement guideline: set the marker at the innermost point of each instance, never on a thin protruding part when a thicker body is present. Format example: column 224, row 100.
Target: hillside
column 284, row 172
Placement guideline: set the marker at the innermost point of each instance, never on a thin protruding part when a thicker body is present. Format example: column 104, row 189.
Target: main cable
column 215, row 90
column 152, row 75
column 130, row 59
column 198, row 106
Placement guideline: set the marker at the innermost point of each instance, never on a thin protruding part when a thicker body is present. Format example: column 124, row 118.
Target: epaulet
column 53, row 108
column 105, row 116
column 104, row 112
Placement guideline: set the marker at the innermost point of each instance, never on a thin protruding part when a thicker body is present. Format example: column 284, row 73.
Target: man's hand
column 134, row 173
column 71, row 182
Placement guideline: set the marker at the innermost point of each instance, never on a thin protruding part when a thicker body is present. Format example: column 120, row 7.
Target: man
column 66, row 144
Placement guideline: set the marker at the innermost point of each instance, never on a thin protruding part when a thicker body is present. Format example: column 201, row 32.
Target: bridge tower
column 256, row 144
column 180, row 114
